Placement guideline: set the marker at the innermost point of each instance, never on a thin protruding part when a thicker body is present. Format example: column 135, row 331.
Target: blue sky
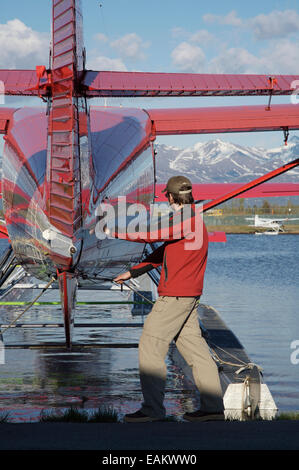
column 167, row 36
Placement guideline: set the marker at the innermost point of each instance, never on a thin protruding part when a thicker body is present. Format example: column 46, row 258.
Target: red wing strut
column 209, row 191
column 252, row 184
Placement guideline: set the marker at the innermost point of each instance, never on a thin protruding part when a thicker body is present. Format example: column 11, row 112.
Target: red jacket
column 183, row 262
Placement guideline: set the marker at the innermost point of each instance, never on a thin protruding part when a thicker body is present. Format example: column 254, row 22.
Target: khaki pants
column 170, row 316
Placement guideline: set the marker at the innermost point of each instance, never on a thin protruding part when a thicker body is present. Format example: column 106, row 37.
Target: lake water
column 252, row 281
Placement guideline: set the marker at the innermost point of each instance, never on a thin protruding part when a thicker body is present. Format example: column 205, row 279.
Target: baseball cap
column 178, row 185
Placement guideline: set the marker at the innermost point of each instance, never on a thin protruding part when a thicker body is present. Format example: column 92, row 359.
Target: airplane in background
column 275, row 226
column 62, row 161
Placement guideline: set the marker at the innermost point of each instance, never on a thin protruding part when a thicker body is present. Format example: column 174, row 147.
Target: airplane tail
column 64, row 192
column 65, row 131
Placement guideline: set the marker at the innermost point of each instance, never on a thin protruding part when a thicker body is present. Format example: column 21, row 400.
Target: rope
column 136, row 292
column 242, row 365
column 28, row 307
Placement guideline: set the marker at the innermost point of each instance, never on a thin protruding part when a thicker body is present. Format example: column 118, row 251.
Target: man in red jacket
column 183, row 258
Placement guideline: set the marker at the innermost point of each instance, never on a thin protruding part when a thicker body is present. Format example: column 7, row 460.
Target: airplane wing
column 224, row 119
column 289, row 219
column 271, row 221
column 19, row 82
column 214, row 190
column 146, row 84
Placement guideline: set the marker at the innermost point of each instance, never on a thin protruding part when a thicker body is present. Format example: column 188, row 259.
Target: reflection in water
column 251, row 281
column 38, row 379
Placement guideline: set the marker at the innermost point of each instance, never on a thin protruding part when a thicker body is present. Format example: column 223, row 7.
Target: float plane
column 61, row 161
column 275, row 226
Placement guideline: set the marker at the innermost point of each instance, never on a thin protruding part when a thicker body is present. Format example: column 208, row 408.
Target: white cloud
column 106, row 63
column 264, row 26
column 101, row 37
column 188, row 57
column 202, row 37
column 178, row 31
column 22, row 47
column 130, row 47
column 237, row 54
column 275, row 24
column 230, row 19
column 235, row 60
column 280, row 57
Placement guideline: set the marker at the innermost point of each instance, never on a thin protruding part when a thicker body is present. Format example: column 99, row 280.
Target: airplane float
column 60, row 163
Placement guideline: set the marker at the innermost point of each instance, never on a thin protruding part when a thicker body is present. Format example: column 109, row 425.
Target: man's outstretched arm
column 152, row 261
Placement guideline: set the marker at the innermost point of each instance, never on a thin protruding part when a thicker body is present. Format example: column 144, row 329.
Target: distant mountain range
column 216, row 161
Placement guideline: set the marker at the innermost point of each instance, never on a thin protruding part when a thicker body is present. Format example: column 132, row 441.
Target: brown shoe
column 204, row 416
column 139, row 417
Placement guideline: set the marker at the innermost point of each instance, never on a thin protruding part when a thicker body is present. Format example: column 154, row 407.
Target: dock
column 160, row 436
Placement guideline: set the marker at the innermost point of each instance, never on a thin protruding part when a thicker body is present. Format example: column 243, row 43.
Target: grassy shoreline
column 110, row 415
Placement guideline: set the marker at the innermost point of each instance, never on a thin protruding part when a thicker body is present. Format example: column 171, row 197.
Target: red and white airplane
column 60, row 163
column 275, row 226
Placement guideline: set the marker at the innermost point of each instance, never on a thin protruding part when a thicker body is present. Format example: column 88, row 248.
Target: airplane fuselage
column 116, row 158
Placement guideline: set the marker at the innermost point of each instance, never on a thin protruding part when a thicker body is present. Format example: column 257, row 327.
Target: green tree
column 241, row 205
column 266, row 207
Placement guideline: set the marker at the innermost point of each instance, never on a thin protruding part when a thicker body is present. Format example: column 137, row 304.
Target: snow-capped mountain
column 216, row 161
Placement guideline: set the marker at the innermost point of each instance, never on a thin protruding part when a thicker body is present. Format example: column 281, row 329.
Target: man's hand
column 122, row 277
